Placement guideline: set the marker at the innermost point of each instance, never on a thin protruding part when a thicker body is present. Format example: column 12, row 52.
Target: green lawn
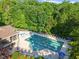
column 17, row 55
column 77, row 57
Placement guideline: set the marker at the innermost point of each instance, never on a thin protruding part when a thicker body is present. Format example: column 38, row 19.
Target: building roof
column 6, row 31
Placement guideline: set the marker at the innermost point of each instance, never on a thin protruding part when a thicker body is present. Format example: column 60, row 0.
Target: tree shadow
column 2, row 24
column 64, row 29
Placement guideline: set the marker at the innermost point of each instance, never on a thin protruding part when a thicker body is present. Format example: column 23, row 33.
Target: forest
column 43, row 17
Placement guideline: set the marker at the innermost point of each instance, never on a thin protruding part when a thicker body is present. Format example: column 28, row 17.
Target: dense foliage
column 60, row 19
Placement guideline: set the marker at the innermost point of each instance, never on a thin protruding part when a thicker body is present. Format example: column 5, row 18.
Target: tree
column 50, row 18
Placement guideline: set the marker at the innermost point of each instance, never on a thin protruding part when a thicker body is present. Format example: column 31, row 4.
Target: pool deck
column 23, row 36
column 25, row 45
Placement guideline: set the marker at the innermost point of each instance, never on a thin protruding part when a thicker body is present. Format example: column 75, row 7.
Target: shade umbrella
column 35, row 53
column 70, row 38
column 18, row 48
column 25, row 52
column 22, row 51
column 61, row 54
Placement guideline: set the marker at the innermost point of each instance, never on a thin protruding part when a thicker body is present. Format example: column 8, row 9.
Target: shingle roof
column 6, row 31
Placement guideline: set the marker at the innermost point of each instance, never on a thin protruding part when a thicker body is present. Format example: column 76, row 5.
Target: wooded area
column 43, row 17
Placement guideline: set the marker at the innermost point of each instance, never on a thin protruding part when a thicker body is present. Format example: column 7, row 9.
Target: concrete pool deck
column 23, row 36
column 25, row 45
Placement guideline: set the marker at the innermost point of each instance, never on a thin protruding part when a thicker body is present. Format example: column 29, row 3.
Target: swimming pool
column 39, row 43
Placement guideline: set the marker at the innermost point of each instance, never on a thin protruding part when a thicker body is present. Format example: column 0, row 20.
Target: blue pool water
column 39, row 43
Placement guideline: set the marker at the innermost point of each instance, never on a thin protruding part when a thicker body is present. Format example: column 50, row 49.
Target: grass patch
column 17, row 55
column 77, row 57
